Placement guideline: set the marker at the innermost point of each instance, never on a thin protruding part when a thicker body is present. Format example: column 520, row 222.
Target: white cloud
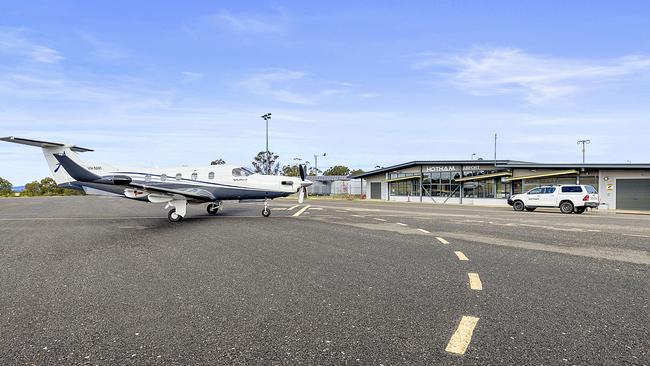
column 191, row 76
column 14, row 41
column 269, row 23
column 275, row 84
column 538, row 78
column 103, row 50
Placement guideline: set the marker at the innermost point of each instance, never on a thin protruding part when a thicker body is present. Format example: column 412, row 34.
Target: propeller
column 302, row 191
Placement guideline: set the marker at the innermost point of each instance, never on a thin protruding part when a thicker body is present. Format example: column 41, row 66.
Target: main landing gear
column 214, row 208
column 178, row 211
column 266, row 211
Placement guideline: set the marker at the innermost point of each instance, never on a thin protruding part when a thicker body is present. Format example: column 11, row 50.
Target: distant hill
column 18, row 189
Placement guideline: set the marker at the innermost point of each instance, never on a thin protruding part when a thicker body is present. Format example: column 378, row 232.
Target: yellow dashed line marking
column 292, row 208
column 378, row 219
column 425, row 231
column 462, row 336
column 301, row 211
column 442, row 240
column 475, row 281
column 461, row 256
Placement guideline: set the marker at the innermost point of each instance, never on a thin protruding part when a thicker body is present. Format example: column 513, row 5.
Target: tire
column 173, row 217
column 580, row 210
column 266, row 212
column 566, row 207
column 213, row 209
column 518, row 206
column 530, row 209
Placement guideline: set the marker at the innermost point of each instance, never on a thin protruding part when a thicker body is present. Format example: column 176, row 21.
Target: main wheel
column 566, row 207
column 173, row 216
column 518, row 206
column 213, row 208
column 580, row 210
column 266, row 212
column 530, row 209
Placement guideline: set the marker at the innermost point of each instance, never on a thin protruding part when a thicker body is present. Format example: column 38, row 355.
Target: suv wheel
column 566, row 207
column 518, row 206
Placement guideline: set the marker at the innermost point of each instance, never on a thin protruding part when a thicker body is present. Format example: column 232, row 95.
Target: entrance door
column 633, row 194
column 375, row 190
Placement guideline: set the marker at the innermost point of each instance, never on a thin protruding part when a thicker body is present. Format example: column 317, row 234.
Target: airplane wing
column 194, row 193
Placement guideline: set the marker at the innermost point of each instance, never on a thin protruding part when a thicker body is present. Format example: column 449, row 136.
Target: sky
column 369, row 83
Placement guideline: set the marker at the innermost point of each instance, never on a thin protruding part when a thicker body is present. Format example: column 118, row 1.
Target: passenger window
column 591, row 190
column 211, row 175
column 163, row 177
column 195, row 176
column 549, row 190
column 571, row 189
column 179, row 176
column 536, row 191
column 147, row 178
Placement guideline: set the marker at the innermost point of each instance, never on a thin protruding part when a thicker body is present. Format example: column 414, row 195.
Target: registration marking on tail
column 299, row 212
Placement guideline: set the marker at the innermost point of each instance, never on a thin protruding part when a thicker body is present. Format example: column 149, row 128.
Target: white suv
column 569, row 198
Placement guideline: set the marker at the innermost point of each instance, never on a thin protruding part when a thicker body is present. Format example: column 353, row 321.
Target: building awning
column 543, row 175
column 484, row 176
column 402, row 178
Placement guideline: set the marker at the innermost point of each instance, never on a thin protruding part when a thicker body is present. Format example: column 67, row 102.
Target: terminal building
column 490, row 182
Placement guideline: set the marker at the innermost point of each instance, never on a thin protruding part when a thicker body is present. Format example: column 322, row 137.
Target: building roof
column 507, row 164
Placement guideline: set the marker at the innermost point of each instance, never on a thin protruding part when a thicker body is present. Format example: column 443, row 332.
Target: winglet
column 75, row 170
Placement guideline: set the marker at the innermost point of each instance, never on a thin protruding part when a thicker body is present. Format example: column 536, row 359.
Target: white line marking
column 442, row 240
column 279, row 208
column 638, row 235
column 462, row 336
column 424, row 231
column 461, row 256
column 301, row 211
column 316, row 208
column 341, row 211
column 475, row 281
column 292, row 208
column 357, row 215
column 378, row 219
column 400, row 224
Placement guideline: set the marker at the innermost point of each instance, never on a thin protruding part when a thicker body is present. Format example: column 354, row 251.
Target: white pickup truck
column 569, row 198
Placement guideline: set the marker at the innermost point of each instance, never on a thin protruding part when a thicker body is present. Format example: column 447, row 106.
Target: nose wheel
column 266, row 211
column 173, row 216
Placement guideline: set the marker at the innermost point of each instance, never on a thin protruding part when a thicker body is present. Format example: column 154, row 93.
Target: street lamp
column 583, row 142
column 316, row 162
column 266, row 118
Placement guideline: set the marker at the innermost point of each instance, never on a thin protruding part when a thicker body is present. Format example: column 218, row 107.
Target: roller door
column 375, row 190
column 633, row 194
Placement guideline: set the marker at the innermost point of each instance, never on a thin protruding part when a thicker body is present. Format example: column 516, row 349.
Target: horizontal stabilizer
column 75, row 170
column 43, row 144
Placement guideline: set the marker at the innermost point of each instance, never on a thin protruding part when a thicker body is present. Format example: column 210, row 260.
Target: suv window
column 549, row 190
column 536, row 191
column 571, row 189
column 591, row 189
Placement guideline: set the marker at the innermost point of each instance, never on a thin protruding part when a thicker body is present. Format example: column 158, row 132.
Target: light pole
column 583, row 142
column 316, row 162
column 266, row 118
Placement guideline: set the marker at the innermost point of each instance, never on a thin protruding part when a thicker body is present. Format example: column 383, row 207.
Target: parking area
column 103, row 281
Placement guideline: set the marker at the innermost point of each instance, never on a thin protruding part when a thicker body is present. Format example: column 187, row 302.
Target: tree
column 218, row 162
column 48, row 187
column 291, row 170
column 265, row 162
column 357, row 171
column 337, row 170
column 5, row 187
column 32, row 189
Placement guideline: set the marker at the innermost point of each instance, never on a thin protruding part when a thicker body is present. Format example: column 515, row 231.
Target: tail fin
column 59, row 173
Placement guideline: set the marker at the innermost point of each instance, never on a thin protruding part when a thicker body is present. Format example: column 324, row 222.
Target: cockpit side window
column 241, row 172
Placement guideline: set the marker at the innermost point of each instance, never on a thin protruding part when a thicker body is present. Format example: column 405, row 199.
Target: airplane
column 176, row 186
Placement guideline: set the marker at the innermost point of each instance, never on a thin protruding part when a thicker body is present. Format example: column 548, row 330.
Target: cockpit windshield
column 241, row 172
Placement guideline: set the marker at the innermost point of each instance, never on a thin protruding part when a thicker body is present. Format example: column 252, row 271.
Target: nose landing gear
column 266, row 211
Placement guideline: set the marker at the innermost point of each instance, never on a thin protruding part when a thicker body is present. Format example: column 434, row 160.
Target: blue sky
column 369, row 83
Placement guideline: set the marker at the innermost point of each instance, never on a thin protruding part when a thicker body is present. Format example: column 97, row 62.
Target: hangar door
column 633, row 194
column 375, row 190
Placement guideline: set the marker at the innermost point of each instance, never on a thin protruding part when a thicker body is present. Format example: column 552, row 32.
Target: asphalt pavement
column 98, row 280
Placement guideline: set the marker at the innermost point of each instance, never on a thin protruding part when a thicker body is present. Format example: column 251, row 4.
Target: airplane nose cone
column 306, row 183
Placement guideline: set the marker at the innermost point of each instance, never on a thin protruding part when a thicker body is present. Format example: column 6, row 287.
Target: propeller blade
column 301, row 194
column 302, row 172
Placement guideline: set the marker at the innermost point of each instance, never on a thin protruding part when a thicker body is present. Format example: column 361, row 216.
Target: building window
column 179, row 176
column 211, row 175
column 195, row 176
column 405, row 188
column 441, row 184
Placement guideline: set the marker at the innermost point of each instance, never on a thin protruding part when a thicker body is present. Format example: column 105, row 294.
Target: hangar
column 490, row 182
